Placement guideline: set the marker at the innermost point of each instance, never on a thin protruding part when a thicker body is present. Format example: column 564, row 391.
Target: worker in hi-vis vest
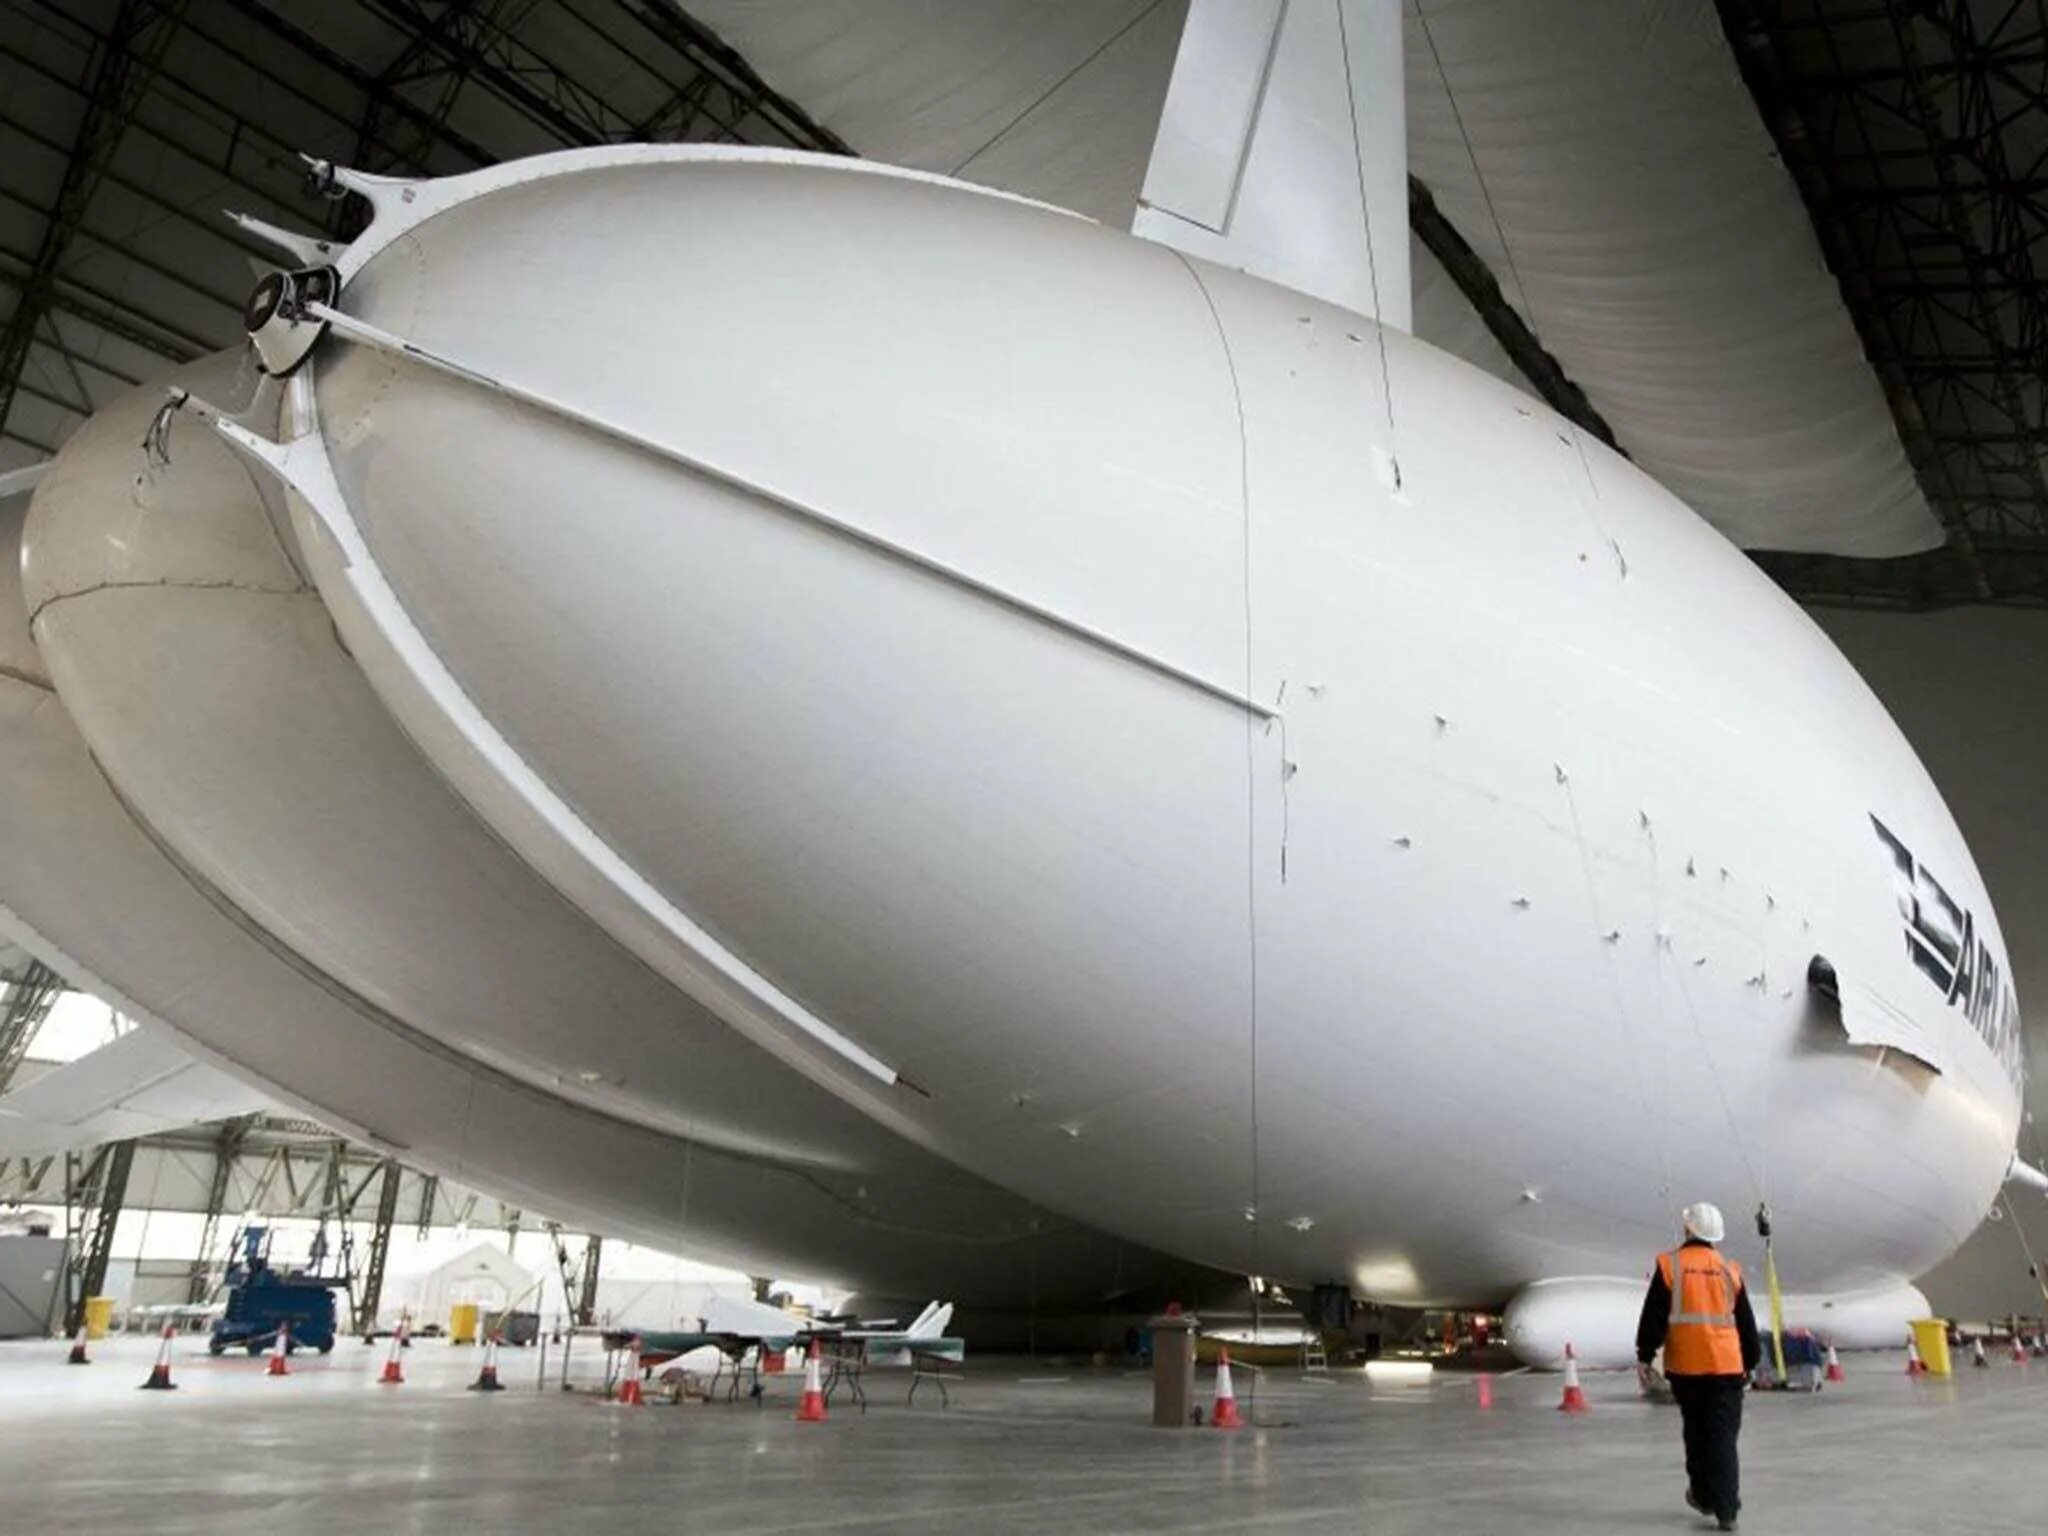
column 1698, row 1310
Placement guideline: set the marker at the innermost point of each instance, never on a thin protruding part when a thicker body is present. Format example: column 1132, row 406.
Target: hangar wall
column 1965, row 686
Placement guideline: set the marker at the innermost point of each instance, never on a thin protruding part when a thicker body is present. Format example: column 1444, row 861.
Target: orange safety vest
column 1701, row 1338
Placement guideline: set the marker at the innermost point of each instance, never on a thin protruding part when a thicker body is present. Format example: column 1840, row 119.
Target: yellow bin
column 1931, row 1335
column 99, row 1312
column 462, row 1323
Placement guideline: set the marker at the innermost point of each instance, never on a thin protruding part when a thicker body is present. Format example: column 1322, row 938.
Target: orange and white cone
column 160, row 1373
column 1977, row 1354
column 393, row 1375
column 487, row 1378
column 78, row 1354
column 630, row 1395
column 810, row 1409
column 1915, row 1366
column 2019, row 1350
column 1574, row 1400
column 1224, row 1414
column 1834, row 1371
column 278, row 1349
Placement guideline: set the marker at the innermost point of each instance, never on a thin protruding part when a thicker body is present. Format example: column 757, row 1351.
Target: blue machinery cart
column 262, row 1299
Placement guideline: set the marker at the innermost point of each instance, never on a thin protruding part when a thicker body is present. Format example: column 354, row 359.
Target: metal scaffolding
column 25, row 1002
column 1917, row 132
column 227, row 96
column 128, row 55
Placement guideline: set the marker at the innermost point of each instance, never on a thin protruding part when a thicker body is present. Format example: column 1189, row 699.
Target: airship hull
column 1223, row 770
column 95, row 890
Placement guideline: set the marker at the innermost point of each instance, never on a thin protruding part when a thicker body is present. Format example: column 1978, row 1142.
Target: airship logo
column 1942, row 939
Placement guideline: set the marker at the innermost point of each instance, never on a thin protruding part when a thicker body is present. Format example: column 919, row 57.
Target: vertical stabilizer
column 1283, row 149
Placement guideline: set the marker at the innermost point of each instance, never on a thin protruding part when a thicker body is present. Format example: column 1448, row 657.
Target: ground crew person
column 1698, row 1310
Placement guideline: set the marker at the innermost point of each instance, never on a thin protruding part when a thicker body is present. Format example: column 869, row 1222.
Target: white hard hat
column 1704, row 1220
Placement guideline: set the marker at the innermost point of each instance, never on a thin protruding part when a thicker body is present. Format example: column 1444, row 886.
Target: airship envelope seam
column 397, row 346
column 720, row 977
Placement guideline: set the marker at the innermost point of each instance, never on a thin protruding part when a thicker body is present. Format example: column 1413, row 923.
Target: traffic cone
column 630, row 1395
column 1574, row 1394
column 393, row 1375
column 1834, row 1371
column 487, row 1378
column 2019, row 1350
column 78, row 1355
column 1915, row 1366
column 160, row 1373
column 1224, row 1414
column 277, row 1367
column 1977, row 1354
column 811, row 1409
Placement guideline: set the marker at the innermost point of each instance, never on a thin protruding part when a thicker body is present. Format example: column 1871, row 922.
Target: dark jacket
column 1657, row 1317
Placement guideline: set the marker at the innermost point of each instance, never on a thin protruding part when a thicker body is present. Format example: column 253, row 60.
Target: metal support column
column 110, row 1190
column 227, row 1145
column 367, row 1299
column 430, row 1195
column 586, row 1287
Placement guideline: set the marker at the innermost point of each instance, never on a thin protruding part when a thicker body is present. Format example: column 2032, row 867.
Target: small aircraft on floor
column 735, row 1332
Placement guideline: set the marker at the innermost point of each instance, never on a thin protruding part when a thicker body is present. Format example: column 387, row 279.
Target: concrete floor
column 1026, row 1447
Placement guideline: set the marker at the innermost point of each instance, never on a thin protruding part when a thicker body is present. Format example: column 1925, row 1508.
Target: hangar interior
column 1781, row 254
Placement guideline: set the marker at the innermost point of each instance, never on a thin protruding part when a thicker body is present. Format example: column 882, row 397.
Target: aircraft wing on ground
column 735, row 1327
column 139, row 1085
column 658, row 1346
column 925, row 1338
column 897, row 1350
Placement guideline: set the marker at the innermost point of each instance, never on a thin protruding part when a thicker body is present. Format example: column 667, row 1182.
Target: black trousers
column 1712, row 1409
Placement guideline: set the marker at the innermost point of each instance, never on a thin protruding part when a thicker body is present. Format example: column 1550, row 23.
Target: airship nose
column 805, row 613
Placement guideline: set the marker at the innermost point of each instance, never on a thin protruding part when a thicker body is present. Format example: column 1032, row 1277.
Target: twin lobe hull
column 1228, row 773
column 284, row 881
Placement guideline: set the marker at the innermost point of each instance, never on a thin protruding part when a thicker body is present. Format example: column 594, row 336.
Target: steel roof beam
column 47, row 450
column 408, row 69
column 508, row 69
column 239, row 127
column 25, row 1002
column 98, row 308
column 126, row 61
column 1807, row 147
column 169, row 274
column 706, row 50
column 356, row 76
column 212, row 225
column 1978, row 261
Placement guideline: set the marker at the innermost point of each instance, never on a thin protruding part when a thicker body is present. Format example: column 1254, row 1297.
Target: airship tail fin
column 1283, row 149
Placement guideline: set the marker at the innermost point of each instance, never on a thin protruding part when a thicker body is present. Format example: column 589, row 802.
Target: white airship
column 1025, row 720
